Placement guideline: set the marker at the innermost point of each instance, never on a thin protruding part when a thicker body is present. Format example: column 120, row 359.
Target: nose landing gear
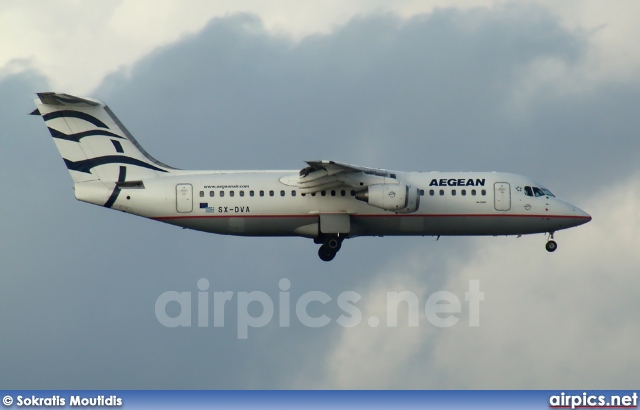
column 330, row 246
column 551, row 245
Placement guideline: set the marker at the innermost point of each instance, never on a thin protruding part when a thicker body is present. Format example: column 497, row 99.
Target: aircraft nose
column 575, row 215
column 581, row 215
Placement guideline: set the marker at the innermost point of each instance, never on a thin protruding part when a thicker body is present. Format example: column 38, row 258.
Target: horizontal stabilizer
column 66, row 100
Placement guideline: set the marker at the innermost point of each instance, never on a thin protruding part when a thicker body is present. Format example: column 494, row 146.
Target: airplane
column 326, row 201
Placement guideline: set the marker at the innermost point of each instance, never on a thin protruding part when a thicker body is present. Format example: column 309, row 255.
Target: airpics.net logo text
column 256, row 309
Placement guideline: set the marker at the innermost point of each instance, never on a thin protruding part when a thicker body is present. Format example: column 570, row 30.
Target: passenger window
column 293, row 193
column 241, row 193
column 441, row 192
column 453, row 192
column 281, row 193
column 201, row 194
column 261, row 193
column 271, row 193
column 528, row 191
column 343, row 192
column 333, row 192
column 463, row 192
column 473, row 192
column 231, row 193
column 250, row 193
column 313, row 194
column 432, row 192
column 422, row 192
column 323, row 193
column 211, row 194
column 353, row 192
column 484, row 192
column 221, row 194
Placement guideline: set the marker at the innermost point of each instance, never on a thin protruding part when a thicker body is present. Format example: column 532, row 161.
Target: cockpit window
column 537, row 191
column 528, row 191
column 547, row 192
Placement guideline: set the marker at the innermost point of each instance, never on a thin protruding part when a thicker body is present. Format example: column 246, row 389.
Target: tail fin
column 101, row 155
column 93, row 142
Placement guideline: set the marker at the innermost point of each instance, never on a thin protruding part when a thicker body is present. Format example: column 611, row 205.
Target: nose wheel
column 329, row 248
column 551, row 245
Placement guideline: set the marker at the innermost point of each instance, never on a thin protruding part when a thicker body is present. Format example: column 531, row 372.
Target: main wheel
column 551, row 246
column 333, row 244
column 326, row 254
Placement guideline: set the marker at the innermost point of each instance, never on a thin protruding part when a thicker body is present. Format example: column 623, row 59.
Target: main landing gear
column 551, row 245
column 330, row 246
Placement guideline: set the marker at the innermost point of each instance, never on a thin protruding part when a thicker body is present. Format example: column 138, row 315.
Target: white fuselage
column 261, row 203
column 326, row 200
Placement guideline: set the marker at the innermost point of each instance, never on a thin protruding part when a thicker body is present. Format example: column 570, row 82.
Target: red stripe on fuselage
column 163, row 218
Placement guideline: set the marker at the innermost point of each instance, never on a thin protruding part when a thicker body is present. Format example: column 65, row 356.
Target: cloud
column 77, row 47
column 460, row 88
column 62, row 40
column 312, row 94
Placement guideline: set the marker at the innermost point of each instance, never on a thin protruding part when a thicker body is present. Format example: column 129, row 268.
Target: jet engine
column 391, row 197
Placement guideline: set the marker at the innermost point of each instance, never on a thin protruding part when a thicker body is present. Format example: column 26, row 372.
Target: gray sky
column 543, row 90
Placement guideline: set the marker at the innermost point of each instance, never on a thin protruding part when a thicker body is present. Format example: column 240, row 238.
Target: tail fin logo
column 80, row 135
column 74, row 123
column 116, row 190
column 75, row 114
column 87, row 164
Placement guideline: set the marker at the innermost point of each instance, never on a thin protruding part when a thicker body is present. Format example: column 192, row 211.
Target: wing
column 332, row 168
column 321, row 175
